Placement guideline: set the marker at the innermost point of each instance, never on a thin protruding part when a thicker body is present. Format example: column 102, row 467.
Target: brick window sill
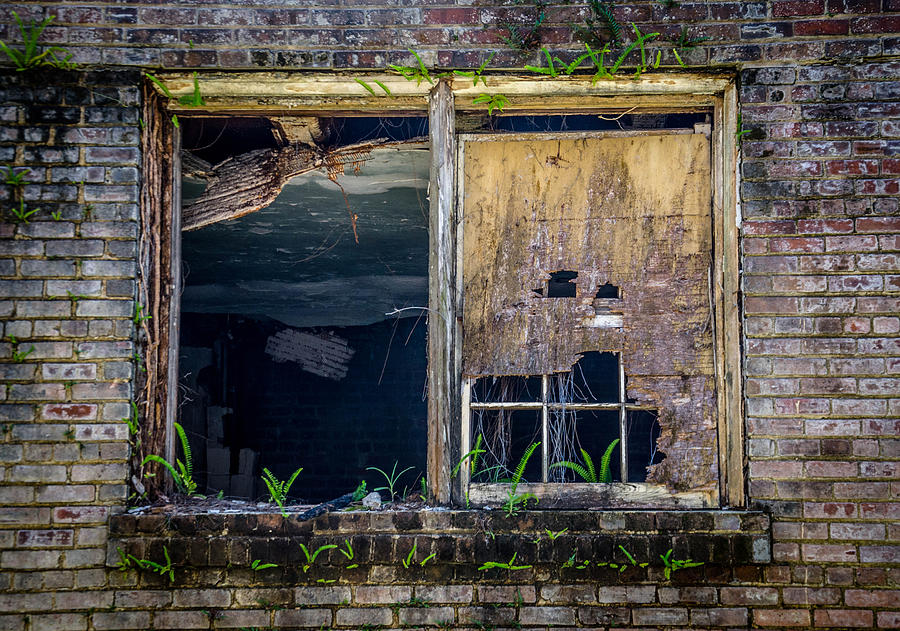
column 203, row 545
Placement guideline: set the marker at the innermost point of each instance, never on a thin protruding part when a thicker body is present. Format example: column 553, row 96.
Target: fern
column 605, row 473
column 588, row 472
column 523, row 462
column 513, row 499
column 184, row 475
column 601, row 18
column 278, row 490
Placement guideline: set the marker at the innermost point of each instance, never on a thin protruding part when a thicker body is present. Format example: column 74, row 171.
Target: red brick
column 69, row 412
column 883, row 24
column 451, row 17
column 878, row 187
column 770, row 304
column 791, row 8
column 852, row 167
column 44, row 538
column 830, row 26
column 80, row 514
column 769, row 227
column 749, row 595
column 831, row 226
column 829, row 553
column 796, row 244
column 811, row 596
column 781, row 617
column 878, row 224
column 831, row 469
column 842, row 618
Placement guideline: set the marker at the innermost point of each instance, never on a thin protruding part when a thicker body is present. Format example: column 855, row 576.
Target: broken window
column 567, row 279
column 302, row 337
column 587, row 314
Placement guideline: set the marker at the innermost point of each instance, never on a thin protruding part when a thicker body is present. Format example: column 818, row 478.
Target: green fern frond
column 605, row 473
column 590, row 465
column 523, row 462
column 160, row 460
column 577, row 468
column 186, row 448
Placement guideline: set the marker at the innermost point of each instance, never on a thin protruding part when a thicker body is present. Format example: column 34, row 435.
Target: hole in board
column 560, row 284
column 607, row 290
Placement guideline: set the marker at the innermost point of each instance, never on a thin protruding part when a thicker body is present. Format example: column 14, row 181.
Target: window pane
column 591, row 430
column 506, row 389
column 594, row 379
column 642, row 430
column 506, row 435
column 288, row 358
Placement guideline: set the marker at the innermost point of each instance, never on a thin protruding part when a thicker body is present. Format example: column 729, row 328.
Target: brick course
column 820, row 176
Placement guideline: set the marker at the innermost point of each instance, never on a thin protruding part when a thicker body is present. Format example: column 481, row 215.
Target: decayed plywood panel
column 630, row 210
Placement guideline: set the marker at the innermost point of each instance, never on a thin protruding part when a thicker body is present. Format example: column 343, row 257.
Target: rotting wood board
column 629, row 209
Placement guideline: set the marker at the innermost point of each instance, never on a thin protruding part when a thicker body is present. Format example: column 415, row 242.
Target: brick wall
column 819, row 197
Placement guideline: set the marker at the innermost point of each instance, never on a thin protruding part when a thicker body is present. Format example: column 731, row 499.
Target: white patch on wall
column 323, row 354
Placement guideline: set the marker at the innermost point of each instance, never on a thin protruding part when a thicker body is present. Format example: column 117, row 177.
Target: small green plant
column 390, row 480
column 570, row 562
column 740, row 132
column 475, row 75
column 184, row 475
column 364, row 84
column 493, row 101
column 417, row 73
column 684, row 43
column 127, row 561
column 194, row 99
column 311, row 558
column 22, row 213
column 56, row 215
column 326, row 581
column 553, row 535
column 168, row 93
column 74, row 297
column 549, row 70
column 473, row 455
column 640, row 40
column 349, row 554
column 673, row 565
column 621, row 567
column 601, row 18
column 257, row 565
column 525, row 37
column 408, row 561
column 29, row 57
column 14, row 178
column 360, row 491
column 132, row 419
column 19, row 356
column 510, row 565
column 139, row 315
column 513, row 498
column 278, row 490
column 587, row 471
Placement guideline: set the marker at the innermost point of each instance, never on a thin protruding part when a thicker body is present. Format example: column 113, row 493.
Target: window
column 581, row 286
column 553, row 225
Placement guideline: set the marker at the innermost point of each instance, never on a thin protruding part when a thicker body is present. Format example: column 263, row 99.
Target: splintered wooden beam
column 251, row 181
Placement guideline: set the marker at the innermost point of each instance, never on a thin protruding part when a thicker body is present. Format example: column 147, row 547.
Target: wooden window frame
column 279, row 94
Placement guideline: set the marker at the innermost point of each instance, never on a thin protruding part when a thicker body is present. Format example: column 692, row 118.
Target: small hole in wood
column 560, row 284
column 607, row 290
